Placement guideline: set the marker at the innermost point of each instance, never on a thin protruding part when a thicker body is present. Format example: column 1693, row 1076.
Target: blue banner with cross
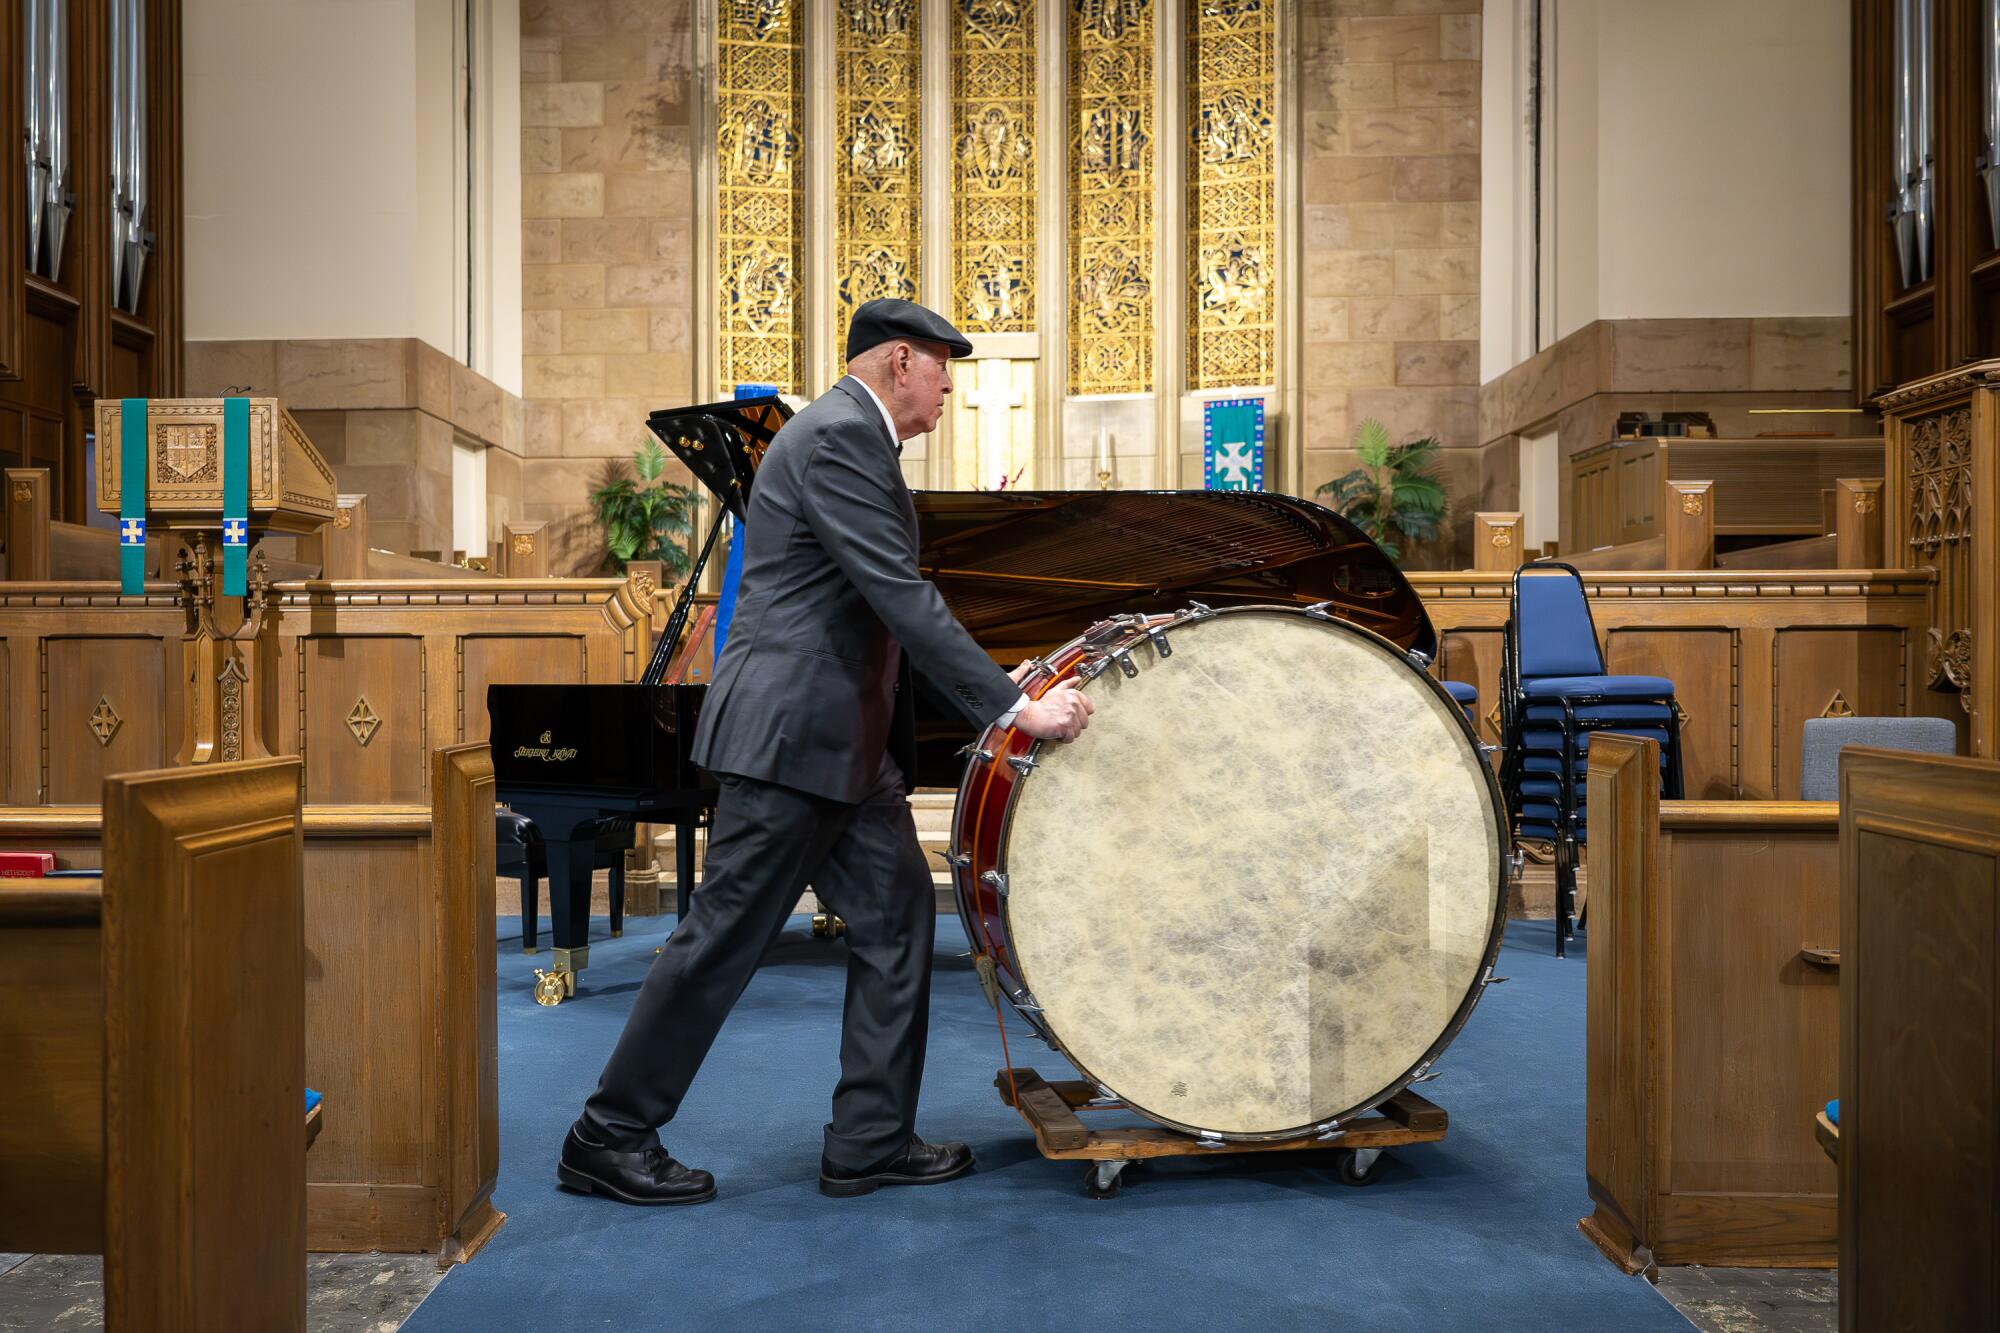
column 1232, row 444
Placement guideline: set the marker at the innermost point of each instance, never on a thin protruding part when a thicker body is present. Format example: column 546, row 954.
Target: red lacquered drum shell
column 1422, row 915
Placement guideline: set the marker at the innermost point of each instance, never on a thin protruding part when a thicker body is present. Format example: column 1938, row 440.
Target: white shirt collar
column 888, row 421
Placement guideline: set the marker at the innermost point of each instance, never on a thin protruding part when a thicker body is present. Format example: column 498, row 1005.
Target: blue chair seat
column 1551, row 742
column 312, row 1100
column 1618, row 687
column 1657, row 714
column 1550, row 788
column 1551, row 765
column 1465, row 694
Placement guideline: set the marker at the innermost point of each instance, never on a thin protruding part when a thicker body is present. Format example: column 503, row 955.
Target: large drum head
column 1262, row 886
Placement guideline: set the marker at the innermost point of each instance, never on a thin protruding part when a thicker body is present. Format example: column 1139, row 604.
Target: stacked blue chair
column 1554, row 694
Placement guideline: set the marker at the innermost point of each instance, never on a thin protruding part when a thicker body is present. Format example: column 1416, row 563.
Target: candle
column 1103, row 448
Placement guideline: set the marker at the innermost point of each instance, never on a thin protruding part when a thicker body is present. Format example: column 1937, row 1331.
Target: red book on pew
column 26, row 865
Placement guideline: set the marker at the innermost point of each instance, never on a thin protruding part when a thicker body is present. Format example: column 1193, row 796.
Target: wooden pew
column 153, row 1037
column 401, row 1029
column 1685, row 540
column 1919, row 1042
column 1712, row 1032
column 1763, row 487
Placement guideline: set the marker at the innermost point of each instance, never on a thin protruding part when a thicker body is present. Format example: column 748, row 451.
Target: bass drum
column 1261, row 892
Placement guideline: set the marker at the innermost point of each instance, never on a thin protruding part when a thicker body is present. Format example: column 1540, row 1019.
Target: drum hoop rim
column 1495, row 933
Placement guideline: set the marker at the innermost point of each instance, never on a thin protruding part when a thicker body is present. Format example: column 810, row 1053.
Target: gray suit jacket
column 813, row 686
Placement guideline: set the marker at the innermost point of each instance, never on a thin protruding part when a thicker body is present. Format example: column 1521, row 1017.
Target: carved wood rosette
column 1941, row 510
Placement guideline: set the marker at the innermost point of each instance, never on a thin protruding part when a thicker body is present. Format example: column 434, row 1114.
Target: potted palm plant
column 1393, row 496
column 643, row 517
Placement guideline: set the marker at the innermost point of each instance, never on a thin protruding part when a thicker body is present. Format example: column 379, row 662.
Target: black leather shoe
column 645, row 1177
column 919, row 1163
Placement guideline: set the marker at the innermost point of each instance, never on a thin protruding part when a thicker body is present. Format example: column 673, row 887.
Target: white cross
column 132, row 532
column 232, row 532
column 995, row 400
column 1233, row 465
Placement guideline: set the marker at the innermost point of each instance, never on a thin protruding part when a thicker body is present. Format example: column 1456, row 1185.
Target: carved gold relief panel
column 760, row 202
column 1232, row 230
column 1111, row 169
column 993, row 128
column 878, row 120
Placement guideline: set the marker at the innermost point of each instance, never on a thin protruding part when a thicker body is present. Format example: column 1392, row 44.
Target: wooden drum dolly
column 1061, row 1136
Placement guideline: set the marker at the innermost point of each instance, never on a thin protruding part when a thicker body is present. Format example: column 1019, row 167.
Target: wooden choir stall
column 155, row 1039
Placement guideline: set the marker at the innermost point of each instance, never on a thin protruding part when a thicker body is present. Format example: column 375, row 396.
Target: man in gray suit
column 809, row 727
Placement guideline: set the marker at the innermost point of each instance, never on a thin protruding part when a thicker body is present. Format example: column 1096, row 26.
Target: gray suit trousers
column 769, row 842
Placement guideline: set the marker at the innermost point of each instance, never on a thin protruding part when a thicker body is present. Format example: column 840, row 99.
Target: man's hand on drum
column 1059, row 715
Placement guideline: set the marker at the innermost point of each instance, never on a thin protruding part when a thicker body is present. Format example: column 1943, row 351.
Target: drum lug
column 1023, row 764
column 1208, row 1138
column 1091, row 668
column 958, row 860
column 1158, row 635
column 1123, row 658
column 1319, row 611
column 1329, row 1131
column 996, row 881
column 1419, row 659
column 1427, row 1077
column 1196, row 610
column 973, row 751
column 1026, row 1004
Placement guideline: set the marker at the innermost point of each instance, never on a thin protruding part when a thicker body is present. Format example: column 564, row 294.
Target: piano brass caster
column 552, row 988
column 827, row 926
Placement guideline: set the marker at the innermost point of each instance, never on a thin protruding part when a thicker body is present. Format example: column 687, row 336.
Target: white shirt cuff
column 1006, row 719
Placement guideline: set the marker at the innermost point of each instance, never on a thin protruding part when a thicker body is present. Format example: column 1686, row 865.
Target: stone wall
column 1723, row 367
column 607, row 102
column 384, row 413
column 1389, row 93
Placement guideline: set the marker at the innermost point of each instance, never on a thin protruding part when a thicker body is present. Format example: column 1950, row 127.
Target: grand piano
column 1024, row 571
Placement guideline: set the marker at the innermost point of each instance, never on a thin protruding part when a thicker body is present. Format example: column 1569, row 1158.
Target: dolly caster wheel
column 1360, row 1166
column 827, row 926
column 552, row 988
column 1100, row 1179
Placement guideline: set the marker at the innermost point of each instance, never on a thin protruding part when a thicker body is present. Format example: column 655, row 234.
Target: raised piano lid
column 1026, row 571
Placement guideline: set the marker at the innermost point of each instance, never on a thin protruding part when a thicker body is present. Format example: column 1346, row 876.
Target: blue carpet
column 1476, row 1232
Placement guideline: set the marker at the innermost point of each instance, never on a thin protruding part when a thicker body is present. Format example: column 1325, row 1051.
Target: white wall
column 1695, row 165
column 323, row 145
column 1723, row 146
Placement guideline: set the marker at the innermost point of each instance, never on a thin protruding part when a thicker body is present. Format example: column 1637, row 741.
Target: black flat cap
column 879, row 321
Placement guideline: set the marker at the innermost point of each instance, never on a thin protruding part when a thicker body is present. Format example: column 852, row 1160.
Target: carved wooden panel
column 361, row 702
column 368, row 1041
column 103, row 712
column 1703, row 665
column 1809, row 666
column 509, row 660
column 1919, row 1043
